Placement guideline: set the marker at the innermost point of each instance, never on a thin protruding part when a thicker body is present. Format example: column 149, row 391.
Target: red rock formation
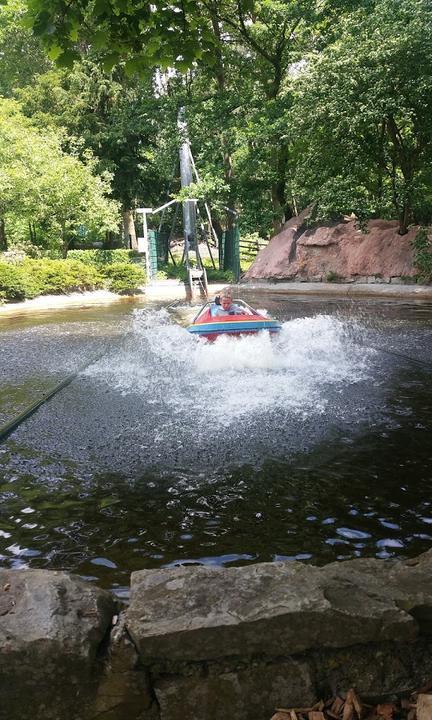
column 338, row 250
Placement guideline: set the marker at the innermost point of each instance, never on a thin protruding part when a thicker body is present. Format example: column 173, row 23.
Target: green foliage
column 169, row 271
column 115, row 118
column 30, row 278
column 217, row 275
column 333, row 277
column 362, row 117
column 102, row 257
column 123, row 278
column 226, row 276
column 422, row 246
column 141, row 34
column 60, row 276
column 287, row 104
column 22, row 56
column 12, row 285
column 45, row 189
column 209, row 189
column 179, row 272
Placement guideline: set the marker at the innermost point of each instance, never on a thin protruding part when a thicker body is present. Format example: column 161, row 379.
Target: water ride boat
column 209, row 325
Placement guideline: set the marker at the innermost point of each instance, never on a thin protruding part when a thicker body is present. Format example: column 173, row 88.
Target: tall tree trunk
column 3, row 239
column 406, row 158
column 404, row 219
column 278, row 189
column 32, row 232
column 129, row 229
column 65, row 241
column 219, row 70
column 279, row 155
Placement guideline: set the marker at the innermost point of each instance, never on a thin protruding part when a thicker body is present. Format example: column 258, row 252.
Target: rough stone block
column 191, row 614
column 52, row 626
column 376, row 671
column 252, row 692
column 377, row 280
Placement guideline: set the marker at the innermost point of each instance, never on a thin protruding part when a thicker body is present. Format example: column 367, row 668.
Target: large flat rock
column 200, row 613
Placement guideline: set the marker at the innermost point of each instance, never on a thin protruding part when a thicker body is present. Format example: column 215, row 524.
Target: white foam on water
column 232, row 377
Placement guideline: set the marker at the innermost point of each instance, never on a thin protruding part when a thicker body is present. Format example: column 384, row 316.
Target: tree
column 363, row 117
column 21, row 53
column 141, row 33
column 120, row 120
column 52, row 193
column 263, row 38
column 288, row 101
column 244, row 99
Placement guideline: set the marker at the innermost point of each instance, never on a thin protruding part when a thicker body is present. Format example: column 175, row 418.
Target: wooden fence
column 250, row 248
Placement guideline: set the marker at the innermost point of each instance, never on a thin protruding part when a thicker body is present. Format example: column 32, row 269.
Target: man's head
column 226, row 298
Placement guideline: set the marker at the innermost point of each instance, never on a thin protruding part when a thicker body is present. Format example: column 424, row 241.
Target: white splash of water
column 235, row 377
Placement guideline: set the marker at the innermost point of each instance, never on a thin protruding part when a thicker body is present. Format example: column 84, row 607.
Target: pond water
column 164, row 450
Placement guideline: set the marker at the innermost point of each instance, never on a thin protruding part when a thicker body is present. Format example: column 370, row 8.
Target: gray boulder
column 52, row 630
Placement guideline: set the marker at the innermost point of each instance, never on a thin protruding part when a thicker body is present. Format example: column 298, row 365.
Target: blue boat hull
column 235, row 327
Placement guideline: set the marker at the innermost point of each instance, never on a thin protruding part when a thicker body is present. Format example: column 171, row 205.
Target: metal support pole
column 186, row 179
column 143, row 245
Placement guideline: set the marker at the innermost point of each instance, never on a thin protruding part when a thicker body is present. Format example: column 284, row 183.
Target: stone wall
column 204, row 643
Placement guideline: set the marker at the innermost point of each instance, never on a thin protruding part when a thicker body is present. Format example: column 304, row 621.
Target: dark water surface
column 167, row 450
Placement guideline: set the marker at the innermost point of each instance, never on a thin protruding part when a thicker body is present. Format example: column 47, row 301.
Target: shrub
column 171, row 271
column 179, row 272
column 102, row 257
column 216, row 275
column 123, row 277
column 12, row 285
column 60, row 276
column 422, row 259
column 333, row 277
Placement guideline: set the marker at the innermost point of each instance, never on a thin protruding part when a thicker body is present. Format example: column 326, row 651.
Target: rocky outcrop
column 336, row 251
column 206, row 643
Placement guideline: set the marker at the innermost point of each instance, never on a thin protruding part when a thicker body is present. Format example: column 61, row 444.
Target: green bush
column 60, row 276
column 123, row 278
column 102, row 257
column 172, row 272
column 226, row 276
column 333, row 277
column 12, row 285
column 422, row 246
column 30, row 278
column 179, row 272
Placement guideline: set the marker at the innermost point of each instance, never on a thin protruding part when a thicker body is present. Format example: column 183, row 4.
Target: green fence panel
column 158, row 250
column 162, row 247
column 231, row 251
column 152, row 260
